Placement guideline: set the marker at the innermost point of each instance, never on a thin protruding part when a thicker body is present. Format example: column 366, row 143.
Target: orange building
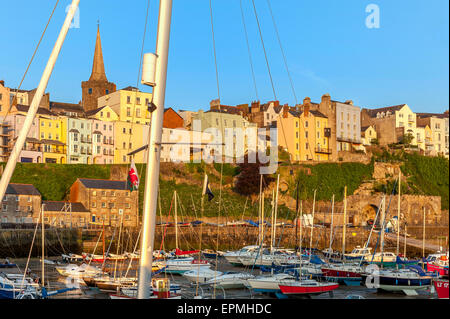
column 172, row 119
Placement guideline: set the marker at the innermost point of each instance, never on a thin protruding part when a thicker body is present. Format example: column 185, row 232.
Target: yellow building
column 53, row 135
column 129, row 137
column 368, row 135
column 130, row 104
column 105, row 114
column 304, row 135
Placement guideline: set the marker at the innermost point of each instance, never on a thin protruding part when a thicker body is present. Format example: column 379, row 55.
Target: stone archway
column 368, row 213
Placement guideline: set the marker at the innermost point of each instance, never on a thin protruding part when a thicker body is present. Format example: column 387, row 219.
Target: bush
column 330, row 179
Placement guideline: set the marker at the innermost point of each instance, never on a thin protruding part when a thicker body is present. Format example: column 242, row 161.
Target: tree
column 407, row 139
column 248, row 181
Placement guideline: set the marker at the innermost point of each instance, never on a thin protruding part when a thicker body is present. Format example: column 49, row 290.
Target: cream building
column 130, row 105
column 437, row 125
column 368, row 135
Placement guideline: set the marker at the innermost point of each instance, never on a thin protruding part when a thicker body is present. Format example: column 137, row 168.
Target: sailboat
column 180, row 265
column 408, row 280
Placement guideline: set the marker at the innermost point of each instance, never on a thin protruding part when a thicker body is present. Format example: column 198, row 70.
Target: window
column 307, row 146
column 103, row 193
column 90, row 91
column 127, row 205
column 128, row 99
column 306, row 134
column 82, row 125
column 49, row 136
column 306, row 123
column 296, row 134
column 108, row 115
column 124, row 130
column 124, row 145
column 101, row 114
column 94, row 193
column 96, row 126
column 94, row 205
column 42, row 124
column 129, row 111
column 138, row 101
column 107, row 92
column 103, row 205
column 138, row 112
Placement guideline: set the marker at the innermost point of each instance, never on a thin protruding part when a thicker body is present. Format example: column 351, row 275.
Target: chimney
column 326, row 98
column 306, row 109
column 256, row 105
column 2, row 82
column 276, row 103
column 215, row 104
column 307, row 100
column 285, row 110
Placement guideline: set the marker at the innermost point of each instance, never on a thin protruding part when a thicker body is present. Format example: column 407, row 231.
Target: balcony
column 348, row 140
column 322, row 150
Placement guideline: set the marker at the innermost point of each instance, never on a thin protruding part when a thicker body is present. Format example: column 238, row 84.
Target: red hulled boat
column 442, row 288
column 307, row 287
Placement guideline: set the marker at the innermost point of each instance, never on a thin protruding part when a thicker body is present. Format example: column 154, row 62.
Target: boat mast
column 154, row 150
column 43, row 245
column 423, row 239
column 345, row 223
column 383, row 228
column 260, row 210
column 312, row 225
column 276, row 211
column 301, row 238
column 331, row 227
column 398, row 212
column 271, row 226
column 31, row 114
column 176, row 221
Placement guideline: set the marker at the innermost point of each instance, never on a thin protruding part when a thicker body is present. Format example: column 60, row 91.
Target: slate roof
column 22, row 189
column 392, row 109
column 103, row 184
column 41, row 110
column 62, row 206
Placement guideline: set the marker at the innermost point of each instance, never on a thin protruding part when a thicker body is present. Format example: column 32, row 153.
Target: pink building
column 32, row 151
column 103, row 142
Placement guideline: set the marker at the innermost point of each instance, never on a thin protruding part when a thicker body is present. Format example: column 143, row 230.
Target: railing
column 348, row 139
column 323, row 150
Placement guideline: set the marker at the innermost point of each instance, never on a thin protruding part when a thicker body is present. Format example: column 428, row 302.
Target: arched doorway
column 368, row 215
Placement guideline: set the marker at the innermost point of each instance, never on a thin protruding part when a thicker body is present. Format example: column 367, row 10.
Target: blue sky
column 328, row 46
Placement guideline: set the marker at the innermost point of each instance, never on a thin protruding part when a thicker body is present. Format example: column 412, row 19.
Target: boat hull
column 299, row 290
column 388, row 283
column 340, row 275
column 442, row 288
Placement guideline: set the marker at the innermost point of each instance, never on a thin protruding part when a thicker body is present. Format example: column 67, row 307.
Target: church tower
column 98, row 84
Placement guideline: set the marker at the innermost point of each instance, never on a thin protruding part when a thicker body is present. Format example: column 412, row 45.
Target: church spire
column 98, row 67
